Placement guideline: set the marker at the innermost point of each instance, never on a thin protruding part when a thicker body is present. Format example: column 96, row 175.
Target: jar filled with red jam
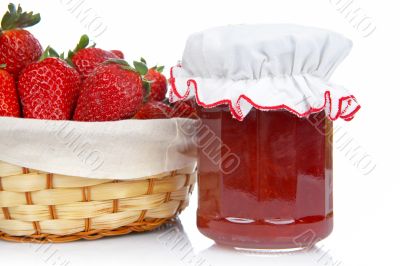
column 269, row 188
column 265, row 107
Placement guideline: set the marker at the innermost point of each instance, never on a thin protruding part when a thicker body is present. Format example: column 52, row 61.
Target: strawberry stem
column 15, row 18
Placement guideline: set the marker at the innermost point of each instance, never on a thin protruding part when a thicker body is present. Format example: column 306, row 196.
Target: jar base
column 265, row 237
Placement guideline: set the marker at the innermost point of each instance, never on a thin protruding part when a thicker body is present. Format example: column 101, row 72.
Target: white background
column 366, row 205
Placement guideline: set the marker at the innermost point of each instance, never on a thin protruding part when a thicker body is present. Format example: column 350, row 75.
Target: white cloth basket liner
column 127, row 149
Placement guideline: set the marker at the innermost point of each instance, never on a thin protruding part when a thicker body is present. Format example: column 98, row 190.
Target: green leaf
column 3, row 66
column 11, row 8
column 7, row 20
column 160, row 69
column 49, row 52
column 147, row 90
column 143, row 60
column 128, row 68
column 70, row 54
column 83, row 43
column 67, row 59
column 140, row 67
column 45, row 54
column 15, row 18
column 117, row 61
column 35, row 19
column 53, row 53
column 69, row 62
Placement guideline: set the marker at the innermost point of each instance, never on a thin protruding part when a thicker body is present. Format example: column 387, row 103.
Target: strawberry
column 86, row 59
column 153, row 110
column 9, row 103
column 183, row 109
column 18, row 47
column 114, row 91
column 49, row 88
column 118, row 53
column 157, row 84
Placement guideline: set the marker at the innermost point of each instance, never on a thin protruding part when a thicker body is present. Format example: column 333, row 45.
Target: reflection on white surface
column 169, row 245
column 262, row 252
column 314, row 256
column 177, row 243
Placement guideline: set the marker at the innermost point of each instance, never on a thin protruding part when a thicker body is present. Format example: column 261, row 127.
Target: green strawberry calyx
column 159, row 69
column 82, row 44
column 140, row 67
column 147, row 83
column 50, row 52
column 16, row 18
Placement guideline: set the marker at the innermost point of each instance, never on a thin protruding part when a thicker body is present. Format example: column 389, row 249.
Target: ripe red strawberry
column 9, row 103
column 157, row 84
column 49, row 88
column 118, row 53
column 183, row 109
column 86, row 59
column 153, row 110
column 18, row 47
column 114, row 91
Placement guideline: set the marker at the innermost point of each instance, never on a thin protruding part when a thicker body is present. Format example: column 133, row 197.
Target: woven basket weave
column 43, row 207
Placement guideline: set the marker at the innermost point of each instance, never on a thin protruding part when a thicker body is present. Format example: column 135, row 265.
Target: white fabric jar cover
column 268, row 67
column 128, row 149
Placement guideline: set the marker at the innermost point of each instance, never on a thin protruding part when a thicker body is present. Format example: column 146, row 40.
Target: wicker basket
column 43, row 207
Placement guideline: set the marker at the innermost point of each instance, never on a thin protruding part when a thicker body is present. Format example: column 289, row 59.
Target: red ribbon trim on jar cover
column 343, row 104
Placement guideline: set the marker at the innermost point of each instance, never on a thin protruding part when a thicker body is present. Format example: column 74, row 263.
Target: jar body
column 265, row 182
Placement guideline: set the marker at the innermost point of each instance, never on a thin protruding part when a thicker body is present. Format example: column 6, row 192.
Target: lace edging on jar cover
column 268, row 67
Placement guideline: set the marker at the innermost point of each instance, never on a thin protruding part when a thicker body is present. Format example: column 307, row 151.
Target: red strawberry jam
column 265, row 182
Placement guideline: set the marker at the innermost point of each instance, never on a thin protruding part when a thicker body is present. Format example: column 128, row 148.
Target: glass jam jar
column 265, row 104
column 265, row 182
